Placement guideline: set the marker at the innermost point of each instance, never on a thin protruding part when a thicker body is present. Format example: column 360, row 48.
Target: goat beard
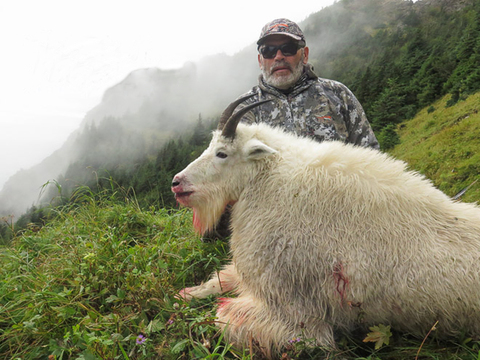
column 205, row 218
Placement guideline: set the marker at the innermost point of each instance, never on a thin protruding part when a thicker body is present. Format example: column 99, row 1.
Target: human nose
column 279, row 55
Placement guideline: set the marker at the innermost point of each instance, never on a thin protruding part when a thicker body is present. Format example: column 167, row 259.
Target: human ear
column 306, row 50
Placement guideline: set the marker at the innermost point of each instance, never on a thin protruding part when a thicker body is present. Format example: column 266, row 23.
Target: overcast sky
column 59, row 56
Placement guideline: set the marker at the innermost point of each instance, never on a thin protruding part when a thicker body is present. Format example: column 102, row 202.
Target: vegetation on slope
column 99, row 282
column 443, row 144
column 398, row 56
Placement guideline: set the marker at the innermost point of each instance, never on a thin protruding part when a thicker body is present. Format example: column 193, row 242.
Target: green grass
column 103, row 275
column 96, row 277
column 444, row 145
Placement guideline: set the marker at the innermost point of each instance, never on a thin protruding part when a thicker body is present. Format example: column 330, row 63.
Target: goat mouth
column 183, row 195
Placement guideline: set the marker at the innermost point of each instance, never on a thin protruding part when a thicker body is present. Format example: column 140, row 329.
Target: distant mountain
column 151, row 102
column 397, row 56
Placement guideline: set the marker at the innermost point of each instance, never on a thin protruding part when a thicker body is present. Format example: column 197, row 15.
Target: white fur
column 331, row 236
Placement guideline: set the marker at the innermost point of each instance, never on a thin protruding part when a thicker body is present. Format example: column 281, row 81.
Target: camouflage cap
column 281, row 27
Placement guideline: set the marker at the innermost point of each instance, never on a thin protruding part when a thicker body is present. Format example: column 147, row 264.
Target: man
column 301, row 101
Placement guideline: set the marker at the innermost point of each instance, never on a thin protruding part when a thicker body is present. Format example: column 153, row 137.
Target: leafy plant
column 380, row 335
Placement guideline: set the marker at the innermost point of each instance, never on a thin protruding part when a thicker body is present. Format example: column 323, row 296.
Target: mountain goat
column 329, row 236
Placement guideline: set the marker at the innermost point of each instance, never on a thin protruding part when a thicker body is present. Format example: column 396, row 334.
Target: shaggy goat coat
column 331, row 236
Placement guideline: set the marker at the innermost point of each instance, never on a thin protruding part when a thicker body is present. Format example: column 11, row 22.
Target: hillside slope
column 443, row 144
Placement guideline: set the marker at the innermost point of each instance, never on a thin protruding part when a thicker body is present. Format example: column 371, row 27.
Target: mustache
column 281, row 64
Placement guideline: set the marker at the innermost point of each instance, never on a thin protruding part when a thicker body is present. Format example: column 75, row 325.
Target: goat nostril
column 175, row 183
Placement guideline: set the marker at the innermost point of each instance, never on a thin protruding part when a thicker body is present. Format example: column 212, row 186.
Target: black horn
column 229, row 110
column 231, row 124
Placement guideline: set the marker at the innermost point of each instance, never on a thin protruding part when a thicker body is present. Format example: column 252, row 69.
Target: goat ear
column 255, row 150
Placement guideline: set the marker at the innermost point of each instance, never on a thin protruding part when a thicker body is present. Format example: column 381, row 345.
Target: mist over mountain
column 148, row 102
column 396, row 55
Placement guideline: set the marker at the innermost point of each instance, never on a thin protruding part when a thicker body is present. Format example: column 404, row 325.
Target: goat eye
column 221, row 155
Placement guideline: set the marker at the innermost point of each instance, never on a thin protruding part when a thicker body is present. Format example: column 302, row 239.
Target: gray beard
column 283, row 82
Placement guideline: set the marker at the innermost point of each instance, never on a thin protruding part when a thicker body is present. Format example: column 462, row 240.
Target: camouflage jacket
column 319, row 108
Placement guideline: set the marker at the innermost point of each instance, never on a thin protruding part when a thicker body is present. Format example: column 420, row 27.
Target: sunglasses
column 288, row 49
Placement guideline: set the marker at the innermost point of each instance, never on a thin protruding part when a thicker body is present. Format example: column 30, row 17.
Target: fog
column 59, row 57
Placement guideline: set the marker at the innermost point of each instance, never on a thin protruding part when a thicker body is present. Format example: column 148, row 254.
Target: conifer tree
column 199, row 136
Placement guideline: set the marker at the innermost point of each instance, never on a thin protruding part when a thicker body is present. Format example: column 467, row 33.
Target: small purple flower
column 295, row 340
column 141, row 339
column 170, row 322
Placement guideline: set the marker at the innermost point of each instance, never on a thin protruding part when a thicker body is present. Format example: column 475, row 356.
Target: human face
column 282, row 71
